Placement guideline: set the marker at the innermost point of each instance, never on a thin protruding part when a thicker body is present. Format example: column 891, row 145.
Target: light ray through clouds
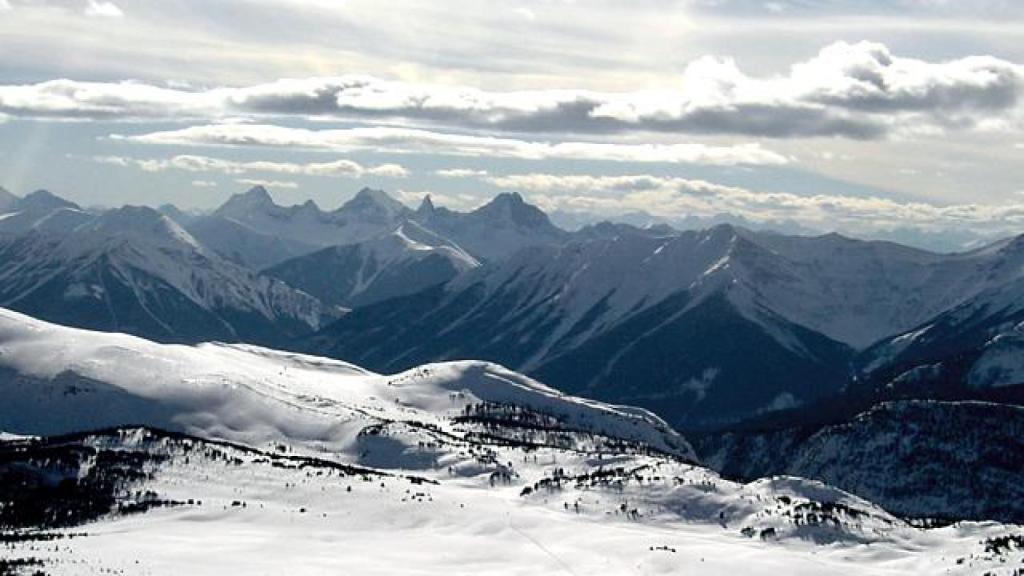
column 861, row 116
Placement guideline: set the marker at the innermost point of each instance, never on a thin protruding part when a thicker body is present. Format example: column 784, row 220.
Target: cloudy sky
column 878, row 118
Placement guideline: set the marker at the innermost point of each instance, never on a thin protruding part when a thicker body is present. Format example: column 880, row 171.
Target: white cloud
column 5, row 6
column 103, row 9
column 408, row 140
column 460, row 173
column 268, row 183
column 679, row 197
column 525, row 13
column 204, row 184
column 68, row 99
column 335, row 169
column 857, row 91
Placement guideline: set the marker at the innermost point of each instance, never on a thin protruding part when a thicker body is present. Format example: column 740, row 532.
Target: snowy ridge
column 256, row 396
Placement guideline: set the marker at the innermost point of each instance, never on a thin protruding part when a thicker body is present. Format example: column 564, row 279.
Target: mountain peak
column 43, row 200
column 255, row 198
column 258, row 192
column 369, row 201
column 258, row 196
column 426, row 206
column 724, row 229
column 511, row 208
column 510, row 198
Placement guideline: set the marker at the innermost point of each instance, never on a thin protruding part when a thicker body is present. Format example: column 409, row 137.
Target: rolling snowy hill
column 231, row 455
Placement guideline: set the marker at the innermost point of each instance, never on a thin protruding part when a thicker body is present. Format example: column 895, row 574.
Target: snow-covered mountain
column 40, row 211
column 233, row 455
column 257, row 396
column 976, row 344
column 406, row 261
column 369, row 214
column 490, row 232
column 135, row 270
column 496, row 230
column 707, row 327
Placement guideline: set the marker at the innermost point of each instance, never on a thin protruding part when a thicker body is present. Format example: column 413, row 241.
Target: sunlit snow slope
column 218, row 459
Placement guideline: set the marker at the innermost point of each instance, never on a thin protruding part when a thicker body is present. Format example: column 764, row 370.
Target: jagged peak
column 513, row 198
column 426, row 206
column 310, row 205
column 256, row 197
column 510, row 207
column 258, row 192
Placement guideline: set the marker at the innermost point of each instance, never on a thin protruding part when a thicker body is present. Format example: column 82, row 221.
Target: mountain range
column 133, row 269
column 725, row 328
column 711, row 327
column 890, row 373
column 708, row 327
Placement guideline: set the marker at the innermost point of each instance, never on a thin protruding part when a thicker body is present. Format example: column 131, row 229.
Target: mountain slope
column 135, row 270
column 254, row 395
column 969, row 347
column 283, row 462
column 659, row 322
column 685, row 323
column 947, row 460
column 406, row 261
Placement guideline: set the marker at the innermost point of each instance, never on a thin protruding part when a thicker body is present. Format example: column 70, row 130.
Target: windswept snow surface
column 59, row 380
column 473, row 469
